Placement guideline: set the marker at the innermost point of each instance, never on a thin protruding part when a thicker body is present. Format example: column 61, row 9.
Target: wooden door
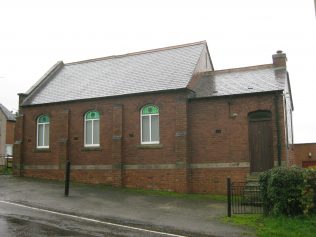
column 260, row 141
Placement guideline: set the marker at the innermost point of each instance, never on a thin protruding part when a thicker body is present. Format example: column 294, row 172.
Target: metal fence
column 243, row 198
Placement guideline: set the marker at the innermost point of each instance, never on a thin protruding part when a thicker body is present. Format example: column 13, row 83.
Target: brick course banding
column 191, row 156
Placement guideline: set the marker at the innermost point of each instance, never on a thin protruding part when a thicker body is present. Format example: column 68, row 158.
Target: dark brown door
column 260, row 141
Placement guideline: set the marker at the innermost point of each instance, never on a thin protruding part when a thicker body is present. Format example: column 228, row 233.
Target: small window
column 150, row 125
column 43, row 131
column 92, row 129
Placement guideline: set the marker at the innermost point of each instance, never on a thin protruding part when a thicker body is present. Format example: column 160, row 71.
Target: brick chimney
column 279, row 59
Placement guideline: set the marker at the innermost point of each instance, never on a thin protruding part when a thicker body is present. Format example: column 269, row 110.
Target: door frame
column 256, row 117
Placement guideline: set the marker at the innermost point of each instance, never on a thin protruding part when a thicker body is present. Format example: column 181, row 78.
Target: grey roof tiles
column 155, row 70
column 148, row 71
column 9, row 116
column 241, row 81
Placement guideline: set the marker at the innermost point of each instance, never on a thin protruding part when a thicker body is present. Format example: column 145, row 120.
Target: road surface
column 23, row 220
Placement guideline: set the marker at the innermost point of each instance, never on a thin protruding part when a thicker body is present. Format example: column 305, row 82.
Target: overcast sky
column 35, row 34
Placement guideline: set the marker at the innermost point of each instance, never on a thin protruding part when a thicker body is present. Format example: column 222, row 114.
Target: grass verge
column 103, row 187
column 5, row 171
column 161, row 193
column 276, row 226
column 187, row 196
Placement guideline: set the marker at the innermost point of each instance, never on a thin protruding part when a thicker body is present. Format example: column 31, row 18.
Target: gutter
column 236, row 95
column 25, row 105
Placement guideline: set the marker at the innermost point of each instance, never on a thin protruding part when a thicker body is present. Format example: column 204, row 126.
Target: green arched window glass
column 92, row 128
column 92, row 115
column 43, row 119
column 150, row 124
column 43, row 122
column 150, row 109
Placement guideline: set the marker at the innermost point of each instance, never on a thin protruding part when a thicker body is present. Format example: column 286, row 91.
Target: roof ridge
column 137, row 53
column 238, row 69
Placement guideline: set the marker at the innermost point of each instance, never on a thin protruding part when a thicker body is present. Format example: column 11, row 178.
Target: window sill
column 150, row 146
column 91, row 148
column 39, row 150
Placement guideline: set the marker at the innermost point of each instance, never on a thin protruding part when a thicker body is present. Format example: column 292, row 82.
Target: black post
column 67, row 178
column 6, row 164
column 229, row 200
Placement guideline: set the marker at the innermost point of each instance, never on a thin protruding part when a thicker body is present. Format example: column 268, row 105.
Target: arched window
column 150, row 124
column 92, row 128
column 43, row 131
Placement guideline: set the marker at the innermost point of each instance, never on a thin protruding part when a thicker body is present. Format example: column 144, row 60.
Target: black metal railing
column 243, row 198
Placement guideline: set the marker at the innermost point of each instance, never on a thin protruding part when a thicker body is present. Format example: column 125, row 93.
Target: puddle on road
column 11, row 226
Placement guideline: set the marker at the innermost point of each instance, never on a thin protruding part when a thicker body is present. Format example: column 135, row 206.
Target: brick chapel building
column 157, row 119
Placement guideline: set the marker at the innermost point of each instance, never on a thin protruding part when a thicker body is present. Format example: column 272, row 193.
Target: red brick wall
column 302, row 153
column 188, row 139
column 44, row 174
column 112, row 152
column 214, row 180
column 10, row 132
column 170, row 179
column 231, row 144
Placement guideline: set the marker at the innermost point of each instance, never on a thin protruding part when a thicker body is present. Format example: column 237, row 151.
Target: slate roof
column 9, row 116
column 155, row 70
column 247, row 80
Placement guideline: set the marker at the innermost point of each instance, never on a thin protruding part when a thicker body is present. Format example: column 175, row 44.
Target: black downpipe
column 67, row 178
column 277, row 123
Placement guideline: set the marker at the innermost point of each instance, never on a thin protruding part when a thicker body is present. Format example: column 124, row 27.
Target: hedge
column 288, row 191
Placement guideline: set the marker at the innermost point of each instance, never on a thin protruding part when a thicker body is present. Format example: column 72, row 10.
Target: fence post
column 229, row 200
column 67, row 178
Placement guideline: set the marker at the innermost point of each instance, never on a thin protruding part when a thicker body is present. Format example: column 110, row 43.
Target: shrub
column 289, row 191
column 310, row 187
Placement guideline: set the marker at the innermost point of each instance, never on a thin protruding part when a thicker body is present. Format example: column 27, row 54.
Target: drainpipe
column 277, row 123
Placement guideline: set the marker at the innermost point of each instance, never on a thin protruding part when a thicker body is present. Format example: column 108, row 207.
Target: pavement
column 119, row 207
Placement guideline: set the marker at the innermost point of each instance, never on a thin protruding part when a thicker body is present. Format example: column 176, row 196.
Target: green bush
column 310, row 187
column 288, row 191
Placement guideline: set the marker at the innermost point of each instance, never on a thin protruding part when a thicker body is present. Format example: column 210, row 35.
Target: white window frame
column 141, row 126
column 85, row 130
column 44, row 124
column 6, row 153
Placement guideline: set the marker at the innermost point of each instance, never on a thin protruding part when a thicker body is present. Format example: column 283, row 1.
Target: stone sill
column 41, row 150
column 150, row 146
column 97, row 148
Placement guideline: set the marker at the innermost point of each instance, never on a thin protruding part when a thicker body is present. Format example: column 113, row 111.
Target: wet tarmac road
column 24, row 221
column 13, row 226
column 112, row 212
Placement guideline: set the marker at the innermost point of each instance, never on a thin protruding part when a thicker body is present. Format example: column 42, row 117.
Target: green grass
column 187, row 196
column 6, row 171
column 100, row 187
column 280, row 226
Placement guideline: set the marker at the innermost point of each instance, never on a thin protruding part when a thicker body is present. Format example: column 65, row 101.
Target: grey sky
column 34, row 34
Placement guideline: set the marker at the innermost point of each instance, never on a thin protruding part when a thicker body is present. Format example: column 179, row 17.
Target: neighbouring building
column 305, row 155
column 7, row 125
column 157, row 119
